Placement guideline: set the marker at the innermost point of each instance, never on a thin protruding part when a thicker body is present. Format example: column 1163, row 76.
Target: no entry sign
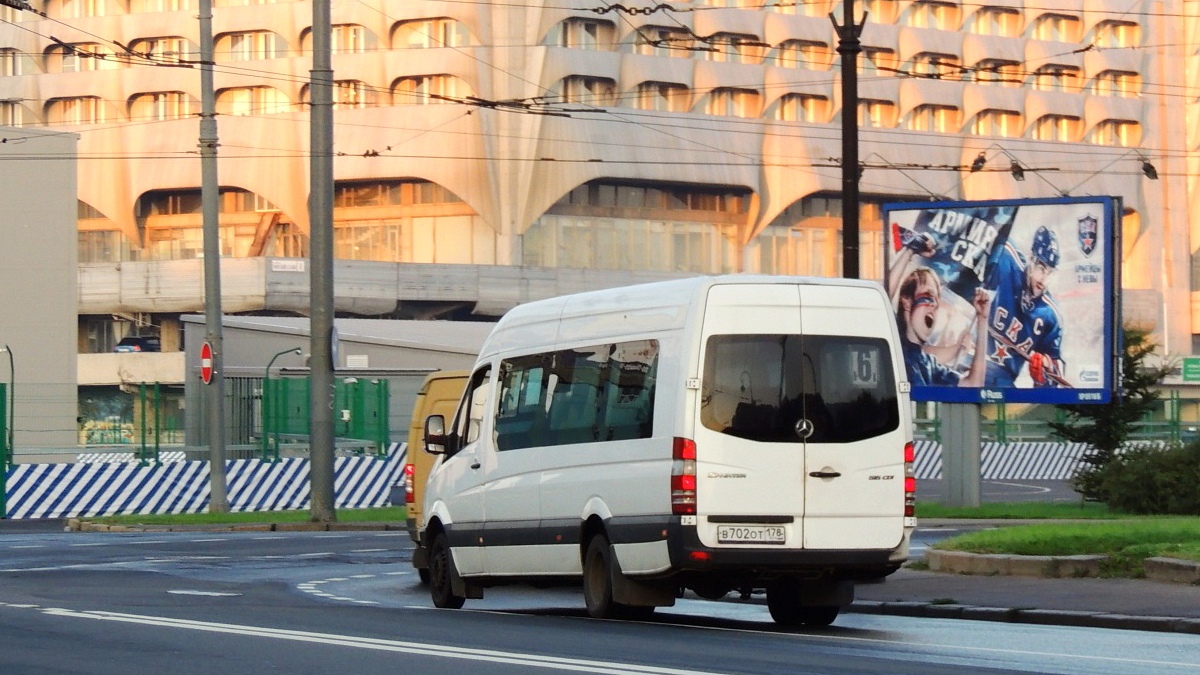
column 206, row 363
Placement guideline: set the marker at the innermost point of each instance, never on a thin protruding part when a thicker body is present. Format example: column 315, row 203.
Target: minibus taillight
column 910, row 480
column 409, row 490
column 683, row 477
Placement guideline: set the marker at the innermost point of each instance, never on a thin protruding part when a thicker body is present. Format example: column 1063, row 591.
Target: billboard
column 1006, row 301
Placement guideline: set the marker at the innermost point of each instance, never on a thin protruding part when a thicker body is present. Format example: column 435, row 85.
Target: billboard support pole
column 961, row 454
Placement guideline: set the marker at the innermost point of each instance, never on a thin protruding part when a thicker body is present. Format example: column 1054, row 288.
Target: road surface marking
column 420, row 648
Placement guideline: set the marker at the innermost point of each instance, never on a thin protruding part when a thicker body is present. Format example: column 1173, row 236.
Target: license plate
column 750, row 534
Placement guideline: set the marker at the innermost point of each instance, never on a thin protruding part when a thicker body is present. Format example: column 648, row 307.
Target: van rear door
column 798, row 419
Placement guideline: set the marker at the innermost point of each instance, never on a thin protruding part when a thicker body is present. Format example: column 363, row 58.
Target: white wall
column 38, row 277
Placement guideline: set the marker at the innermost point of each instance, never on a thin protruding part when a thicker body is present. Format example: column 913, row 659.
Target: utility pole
column 849, row 48
column 209, row 195
column 320, row 218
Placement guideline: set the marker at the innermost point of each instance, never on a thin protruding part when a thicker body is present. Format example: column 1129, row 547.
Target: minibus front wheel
column 441, row 575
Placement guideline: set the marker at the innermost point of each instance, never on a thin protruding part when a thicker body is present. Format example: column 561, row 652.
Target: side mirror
column 435, row 435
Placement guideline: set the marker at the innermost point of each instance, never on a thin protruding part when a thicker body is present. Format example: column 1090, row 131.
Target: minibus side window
column 582, row 395
column 521, row 414
column 469, row 418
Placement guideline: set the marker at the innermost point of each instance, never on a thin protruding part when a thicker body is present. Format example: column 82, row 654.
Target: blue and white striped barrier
column 1009, row 461
column 123, row 488
column 105, row 457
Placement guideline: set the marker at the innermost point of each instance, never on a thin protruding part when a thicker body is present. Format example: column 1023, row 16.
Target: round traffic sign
column 206, row 363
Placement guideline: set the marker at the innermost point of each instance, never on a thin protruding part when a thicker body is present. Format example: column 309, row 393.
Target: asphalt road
column 241, row 603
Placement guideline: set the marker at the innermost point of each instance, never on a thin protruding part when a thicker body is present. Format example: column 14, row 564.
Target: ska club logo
column 1089, row 229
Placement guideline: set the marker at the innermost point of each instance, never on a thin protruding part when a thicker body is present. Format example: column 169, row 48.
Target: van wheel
column 597, row 582
column 783, row 601
column 423, row 575
column 819, row 616
column 441, row 574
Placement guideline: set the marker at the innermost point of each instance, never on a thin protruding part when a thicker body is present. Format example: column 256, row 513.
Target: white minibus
column 714, row 435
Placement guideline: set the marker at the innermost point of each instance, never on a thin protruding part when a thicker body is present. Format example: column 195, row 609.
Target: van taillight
column 683, row 477
column 409, row 469
column 910, row 480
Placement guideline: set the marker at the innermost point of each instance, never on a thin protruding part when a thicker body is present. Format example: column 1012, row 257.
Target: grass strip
column 1127, row 543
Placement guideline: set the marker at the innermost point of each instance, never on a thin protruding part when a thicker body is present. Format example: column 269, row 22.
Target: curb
column 1167, row 570
column 929, row 610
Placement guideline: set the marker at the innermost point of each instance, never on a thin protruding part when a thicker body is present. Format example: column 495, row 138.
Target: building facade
column 582, row 139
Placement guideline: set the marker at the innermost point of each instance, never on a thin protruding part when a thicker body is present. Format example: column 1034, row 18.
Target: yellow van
column 439, row 395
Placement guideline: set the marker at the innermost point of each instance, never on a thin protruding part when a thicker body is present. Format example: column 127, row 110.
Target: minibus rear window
column 794, row 388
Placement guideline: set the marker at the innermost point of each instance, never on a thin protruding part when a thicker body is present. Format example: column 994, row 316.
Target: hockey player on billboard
column 1025, row 327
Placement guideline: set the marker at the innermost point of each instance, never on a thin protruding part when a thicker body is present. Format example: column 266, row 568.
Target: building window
column 12, row 114
column 161, row 105
column 654, row 227
column 1117, row 83
column 1056, row 28
column 998, row 72
column 10, row 62
column 1055, row 78
column 657, row 41
column 80, row 57
column 251, row 101
column 940, row 118
column 138, row 6
column 875, row 61
column 999, row 21
column 940, row 15
column 430, row 34
column 1005, row 123
column 730, row 102
column 76, row 110
column 428, row 89
column 578, row 33
column 873, row 113
column 248, row 46
column 935, row 66
column 348, row 38
column 731, row 48
column 1118, row 34
column 802, row 54
column 662, row 96
column 1057, row 128
column 1123, row 133
column 802, row 108
column 880, row 11
column 163, row 50
column 79, row 9
column 365, row 194
column 347, row 94
column 598, row 91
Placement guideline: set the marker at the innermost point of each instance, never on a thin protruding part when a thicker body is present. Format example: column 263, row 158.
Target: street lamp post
column 12, row 402
column 6, row 458
column 266, row 377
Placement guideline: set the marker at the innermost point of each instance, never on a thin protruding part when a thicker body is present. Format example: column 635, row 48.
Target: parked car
column 140, row 343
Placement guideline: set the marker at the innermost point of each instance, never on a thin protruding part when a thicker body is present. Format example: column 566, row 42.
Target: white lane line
column 390, row 534
column 370, row 550
column 29, row 546
column 213, row 594
column 201, row 541
column 267, row 538
column 375, row 644
column 331, row 536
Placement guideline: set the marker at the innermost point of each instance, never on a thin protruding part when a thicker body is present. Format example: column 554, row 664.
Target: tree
column 1106, row 427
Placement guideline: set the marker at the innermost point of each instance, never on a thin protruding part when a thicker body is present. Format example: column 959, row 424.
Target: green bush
column 1152, row 480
